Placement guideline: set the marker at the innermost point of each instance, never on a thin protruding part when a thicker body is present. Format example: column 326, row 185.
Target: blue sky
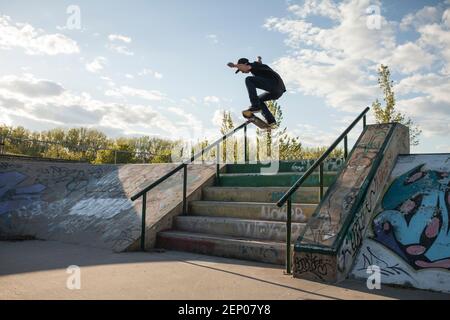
column 159, row 67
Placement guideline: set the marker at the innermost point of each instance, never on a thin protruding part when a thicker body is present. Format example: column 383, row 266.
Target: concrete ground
column 37, row 270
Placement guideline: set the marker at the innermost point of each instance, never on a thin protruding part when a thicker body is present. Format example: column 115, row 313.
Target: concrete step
column 223, row 246
column 245, row 228
column 250, row 210
column 286, row 179
column 284, row 166
column 260, row 194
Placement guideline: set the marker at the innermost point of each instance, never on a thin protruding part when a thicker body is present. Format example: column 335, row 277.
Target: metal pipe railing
column 143, row 192
column 302, row 179
column 287, row 197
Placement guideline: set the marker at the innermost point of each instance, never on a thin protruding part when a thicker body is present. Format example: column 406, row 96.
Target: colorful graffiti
column 414, row 222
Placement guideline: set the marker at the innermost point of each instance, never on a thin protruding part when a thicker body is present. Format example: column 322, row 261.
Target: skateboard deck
column 256, row 120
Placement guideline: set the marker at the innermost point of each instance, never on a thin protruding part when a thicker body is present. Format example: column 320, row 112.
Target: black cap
column 242, row 61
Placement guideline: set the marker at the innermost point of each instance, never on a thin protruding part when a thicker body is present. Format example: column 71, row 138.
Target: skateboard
column 256, row 120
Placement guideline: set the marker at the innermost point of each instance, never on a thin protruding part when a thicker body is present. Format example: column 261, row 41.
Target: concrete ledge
column 340, row 222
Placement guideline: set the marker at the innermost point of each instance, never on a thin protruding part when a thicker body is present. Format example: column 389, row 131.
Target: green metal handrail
column 143, row 192
column 287, row 197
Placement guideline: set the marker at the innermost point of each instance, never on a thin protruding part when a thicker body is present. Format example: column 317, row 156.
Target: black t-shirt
column 264, row 71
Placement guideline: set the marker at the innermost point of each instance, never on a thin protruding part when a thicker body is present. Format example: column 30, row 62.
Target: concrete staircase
column 238, row 218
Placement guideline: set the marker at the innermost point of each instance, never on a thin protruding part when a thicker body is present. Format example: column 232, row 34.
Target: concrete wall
column 87, row 204
column 409, row 235
column 341, row 220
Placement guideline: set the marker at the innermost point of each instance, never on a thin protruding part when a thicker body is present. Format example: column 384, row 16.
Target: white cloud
column 146, row 71
column 409, row 57
column 312, row 136
column 213, row 38
column 446, row 18
column 125, row 91
column 43, row 104
column 31, row 87
column 108, row 80
column 211, row 99
column 33, row 41
column 431, row 84
column 437, row 37
column 325, row 8
column 96, row 65
column 423, row 16
column 188, row 119
column 118, row 37
column 190, row 101
column 338, row 61
column 217, row 118
column 129, row 76
column 120, row 49
column 218, row 115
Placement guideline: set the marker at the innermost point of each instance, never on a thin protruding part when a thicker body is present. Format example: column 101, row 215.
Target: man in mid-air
column 263, row 78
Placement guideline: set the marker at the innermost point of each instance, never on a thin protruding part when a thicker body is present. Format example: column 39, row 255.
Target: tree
column 290, row 147
column 227, row 126
column 388, row 113
column 85, row 145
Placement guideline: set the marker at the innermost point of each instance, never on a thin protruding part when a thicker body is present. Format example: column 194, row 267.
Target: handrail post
column 345, row 147
column 218, row 163
column 321, row 181
column 288, row 235
column 144, row 209
column 245, row 146
column 184, row 189
column 364, row 122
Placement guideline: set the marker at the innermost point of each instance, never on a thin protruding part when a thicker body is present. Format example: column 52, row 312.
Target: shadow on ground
column 35, row 256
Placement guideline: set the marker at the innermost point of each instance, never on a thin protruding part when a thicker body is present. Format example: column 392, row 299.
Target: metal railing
column 183, row 166
column 287, row 197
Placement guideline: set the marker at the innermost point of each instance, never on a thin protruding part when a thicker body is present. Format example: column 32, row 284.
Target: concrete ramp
column 88, row 204
column 409, row 236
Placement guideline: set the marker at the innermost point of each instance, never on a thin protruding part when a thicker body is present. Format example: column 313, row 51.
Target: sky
column 159, row 67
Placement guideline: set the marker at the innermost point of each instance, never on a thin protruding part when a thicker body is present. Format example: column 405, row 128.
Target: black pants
column 273, row 93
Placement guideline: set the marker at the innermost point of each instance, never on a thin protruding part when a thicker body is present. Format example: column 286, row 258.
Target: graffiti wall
column 86, row 204
column 346, row 209
column 409, row 237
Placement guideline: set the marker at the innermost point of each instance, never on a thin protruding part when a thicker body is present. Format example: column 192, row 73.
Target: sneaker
column 254, row 109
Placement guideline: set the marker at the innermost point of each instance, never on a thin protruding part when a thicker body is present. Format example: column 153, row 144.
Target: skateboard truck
column 256, row 120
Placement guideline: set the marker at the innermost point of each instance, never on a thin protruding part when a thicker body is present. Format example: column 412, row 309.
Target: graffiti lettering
column 310, row 263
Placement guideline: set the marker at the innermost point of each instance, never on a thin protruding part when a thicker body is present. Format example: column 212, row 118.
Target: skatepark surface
column 37, row 270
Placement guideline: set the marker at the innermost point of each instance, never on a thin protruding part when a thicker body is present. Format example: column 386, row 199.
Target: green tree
column 388, row 113
column 290, row 147
column 226, row 126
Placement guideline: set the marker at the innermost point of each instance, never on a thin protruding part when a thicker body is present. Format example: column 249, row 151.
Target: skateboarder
column 263, row 78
